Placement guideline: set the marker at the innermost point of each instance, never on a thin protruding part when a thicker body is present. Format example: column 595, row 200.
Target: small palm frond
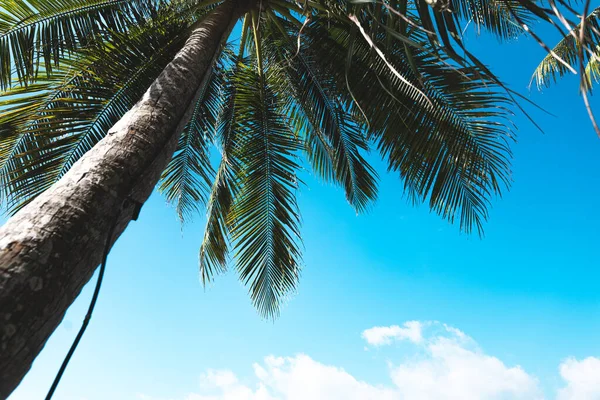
column 567, row 50
column 34, row 31
column 188, row 177
column 214, row 249
column 265, row 218
column 592, row 69
column 47, row 131
column 215, row 244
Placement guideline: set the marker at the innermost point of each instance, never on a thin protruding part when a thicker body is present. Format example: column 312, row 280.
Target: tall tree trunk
column 50, row 249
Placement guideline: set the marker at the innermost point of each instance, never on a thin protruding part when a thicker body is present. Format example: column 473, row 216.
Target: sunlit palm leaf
column 551, row 69
column 592, row 70
column 72, row 111
column 35, row 31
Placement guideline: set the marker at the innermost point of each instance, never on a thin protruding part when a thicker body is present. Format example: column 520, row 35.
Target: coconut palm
column 102, row 99
column 567, row 53
column 577, row 52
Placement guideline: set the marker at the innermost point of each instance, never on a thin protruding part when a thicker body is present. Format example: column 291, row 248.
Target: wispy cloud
column 382, row 335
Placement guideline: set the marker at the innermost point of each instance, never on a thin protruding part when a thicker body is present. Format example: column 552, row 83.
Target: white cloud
column 453, row 370
column 218, row 378
column 381, row 335
column 446, row 365
column 582, row 378
column 224, row 385
column 295, row 378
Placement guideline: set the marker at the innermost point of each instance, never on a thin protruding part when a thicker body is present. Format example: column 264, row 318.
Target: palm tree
column 105, row 98
column 566, row 54
column 578, row 50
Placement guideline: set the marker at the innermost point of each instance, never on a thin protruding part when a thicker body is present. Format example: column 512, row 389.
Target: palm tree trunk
column 51, row 248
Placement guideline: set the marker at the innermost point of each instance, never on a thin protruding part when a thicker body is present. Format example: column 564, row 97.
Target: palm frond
column 34, row 31
column 566, row 53
column 265, row 218
column 452, row 153
column 592, row 69
column 214, row 249
column 333, row 140
column 68, row 114
column 188, row 177
column 503, row 18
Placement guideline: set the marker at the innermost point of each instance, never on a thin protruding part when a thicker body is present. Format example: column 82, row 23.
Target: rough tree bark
column 51, row 248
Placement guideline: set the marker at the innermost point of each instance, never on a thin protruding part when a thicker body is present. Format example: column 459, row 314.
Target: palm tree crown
column 328, row 79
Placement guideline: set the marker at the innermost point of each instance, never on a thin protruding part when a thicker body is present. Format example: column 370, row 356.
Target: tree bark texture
column 50, row 249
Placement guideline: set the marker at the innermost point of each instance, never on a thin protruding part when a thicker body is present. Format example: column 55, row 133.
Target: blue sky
column 395, row 304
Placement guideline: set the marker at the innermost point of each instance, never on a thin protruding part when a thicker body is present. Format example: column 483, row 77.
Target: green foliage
column 502, row 18
column 331, row 80
column 187, row 179
column 333, row 139
column 264, row 218
column 450, row 146
column 42, row 31
column 214, row 247
column 566, row 54
column 49, row 125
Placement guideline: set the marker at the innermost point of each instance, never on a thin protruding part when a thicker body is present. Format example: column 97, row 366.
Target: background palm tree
column 103, row 97
column 576, row 52
column 568, row 50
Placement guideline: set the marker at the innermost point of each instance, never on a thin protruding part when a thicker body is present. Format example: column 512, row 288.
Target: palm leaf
column 215, row 243
column 551, row 68
column 503, row 18
column 73, row 110
column 32, row 31
column 188, row 177
column 265, row 218
column 453, row 152
column 592, row 69
column 333, row 140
